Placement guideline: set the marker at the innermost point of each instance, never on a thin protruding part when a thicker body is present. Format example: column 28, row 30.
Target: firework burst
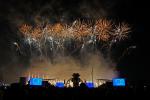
column 59, row 37
column 121, row 31
column 102, row 29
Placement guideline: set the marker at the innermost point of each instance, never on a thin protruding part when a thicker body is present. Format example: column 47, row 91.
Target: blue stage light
column 119, row 82
column 36, row 81
column 60, row 84
column 90, row 84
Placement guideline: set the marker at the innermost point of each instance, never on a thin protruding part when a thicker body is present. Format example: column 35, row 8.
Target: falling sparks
column 60, row 36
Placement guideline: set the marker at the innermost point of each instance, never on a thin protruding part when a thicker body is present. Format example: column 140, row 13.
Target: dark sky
column 134, row 66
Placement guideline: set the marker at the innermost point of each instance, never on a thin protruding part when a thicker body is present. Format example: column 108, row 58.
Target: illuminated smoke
column 66, row 66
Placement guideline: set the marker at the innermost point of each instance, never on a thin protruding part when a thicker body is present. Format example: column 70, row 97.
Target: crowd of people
column 16, row 90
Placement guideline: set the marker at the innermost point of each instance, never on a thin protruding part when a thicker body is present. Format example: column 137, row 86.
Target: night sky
column 134, row 66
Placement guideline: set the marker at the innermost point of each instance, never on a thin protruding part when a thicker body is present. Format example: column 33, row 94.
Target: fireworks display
column 61, row 37
column 98, row 38
column 71, row 47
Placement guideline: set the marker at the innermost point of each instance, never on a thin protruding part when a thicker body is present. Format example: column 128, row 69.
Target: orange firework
column 103, row 25
column 103, row 36
column 25, row 29
column 81, row 29
column 36, row 32
column 67, row 32
column 102, row 29
column 57, row 29
column 84, row 30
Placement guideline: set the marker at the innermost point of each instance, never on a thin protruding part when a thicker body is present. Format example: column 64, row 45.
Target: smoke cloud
column 66, row 66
